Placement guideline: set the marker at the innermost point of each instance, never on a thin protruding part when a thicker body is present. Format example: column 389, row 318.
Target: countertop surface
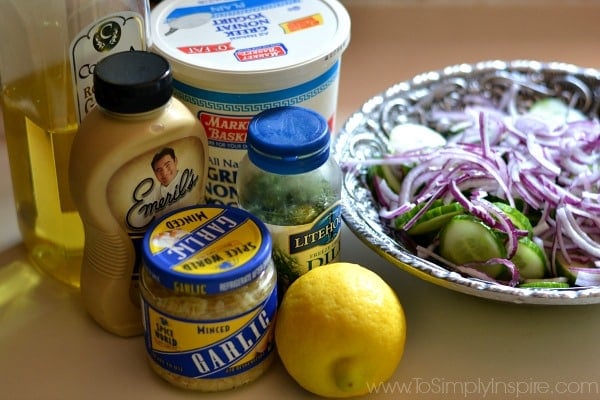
column 457, row 346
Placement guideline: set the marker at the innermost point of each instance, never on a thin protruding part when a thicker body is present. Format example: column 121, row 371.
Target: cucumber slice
column 410, row 136
column 400, row 221
column 372, row 172
column 563, row 268
column 391, row 175
column 519, row 220
column 436, row 218
column 530, row 259
column 556, row 110
column 545, row 284
column 466, row 239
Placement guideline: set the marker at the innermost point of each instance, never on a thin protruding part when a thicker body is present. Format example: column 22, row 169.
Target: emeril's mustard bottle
column 137, row 156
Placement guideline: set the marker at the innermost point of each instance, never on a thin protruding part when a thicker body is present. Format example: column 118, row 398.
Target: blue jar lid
column 206, row 249
column 288, row 140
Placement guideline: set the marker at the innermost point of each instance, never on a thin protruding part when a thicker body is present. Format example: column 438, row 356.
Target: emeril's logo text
column 145, row 204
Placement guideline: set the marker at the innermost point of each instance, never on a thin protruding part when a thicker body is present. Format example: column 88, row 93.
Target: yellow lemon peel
column 340, row 330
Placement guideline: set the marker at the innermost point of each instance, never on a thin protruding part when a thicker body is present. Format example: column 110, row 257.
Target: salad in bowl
column 484, row 178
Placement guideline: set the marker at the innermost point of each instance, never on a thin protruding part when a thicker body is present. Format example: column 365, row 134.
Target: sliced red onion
column 574, row 231
column 586, row 276
column 510, row 266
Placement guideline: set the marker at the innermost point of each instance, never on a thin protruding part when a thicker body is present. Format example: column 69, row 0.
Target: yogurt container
column 234, row 59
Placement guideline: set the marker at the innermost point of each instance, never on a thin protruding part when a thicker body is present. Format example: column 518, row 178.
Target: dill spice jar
column 290, row 182
column 209, row 297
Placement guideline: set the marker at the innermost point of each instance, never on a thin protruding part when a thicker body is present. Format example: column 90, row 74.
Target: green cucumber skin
column 531, row 265
column 427, row 224
column 465, row 239
column 400, row 221
column 545, row 285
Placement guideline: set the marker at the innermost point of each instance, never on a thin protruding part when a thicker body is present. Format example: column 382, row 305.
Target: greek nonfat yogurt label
column 226, row 116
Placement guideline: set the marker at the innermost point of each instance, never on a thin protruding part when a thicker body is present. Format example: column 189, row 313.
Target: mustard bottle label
column 114, row 33
column 210, row 349
column 151, row 185
column 298, row 249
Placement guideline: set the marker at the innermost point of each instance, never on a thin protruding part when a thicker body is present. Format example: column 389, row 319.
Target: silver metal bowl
column 365, row 134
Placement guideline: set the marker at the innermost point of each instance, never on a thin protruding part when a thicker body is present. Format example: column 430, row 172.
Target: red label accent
column 302, row 23
column 207, row 48
column 225, row 128
column 259, row 53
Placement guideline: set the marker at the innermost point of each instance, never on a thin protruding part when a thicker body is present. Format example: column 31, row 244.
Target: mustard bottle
column 138, row 155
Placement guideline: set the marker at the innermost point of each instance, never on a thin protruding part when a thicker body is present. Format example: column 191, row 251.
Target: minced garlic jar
column 209, row 297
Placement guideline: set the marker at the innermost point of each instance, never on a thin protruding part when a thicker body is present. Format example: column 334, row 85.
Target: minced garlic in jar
column 209, row 297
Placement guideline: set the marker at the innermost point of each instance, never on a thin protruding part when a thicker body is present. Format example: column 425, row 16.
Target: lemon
column 340, row 330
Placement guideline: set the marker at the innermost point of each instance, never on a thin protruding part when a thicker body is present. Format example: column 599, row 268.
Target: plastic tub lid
column 251, row 36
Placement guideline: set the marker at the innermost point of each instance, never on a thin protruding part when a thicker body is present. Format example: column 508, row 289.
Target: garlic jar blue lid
column 206, row 249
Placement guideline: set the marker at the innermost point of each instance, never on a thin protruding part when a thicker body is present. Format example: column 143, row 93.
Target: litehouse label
column 298, row 249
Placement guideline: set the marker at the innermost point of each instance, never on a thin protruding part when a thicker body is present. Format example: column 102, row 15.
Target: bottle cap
column 288, row 140
column 131, row 82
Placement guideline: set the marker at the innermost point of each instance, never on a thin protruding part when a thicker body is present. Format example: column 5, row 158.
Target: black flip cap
column 132, row 82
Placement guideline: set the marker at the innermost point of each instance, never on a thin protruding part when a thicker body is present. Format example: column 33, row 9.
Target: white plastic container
column 232, row 60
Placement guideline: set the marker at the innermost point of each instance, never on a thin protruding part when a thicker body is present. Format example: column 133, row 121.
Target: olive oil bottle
column 47, row 60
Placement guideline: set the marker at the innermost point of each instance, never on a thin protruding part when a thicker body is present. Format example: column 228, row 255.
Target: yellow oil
column 40, row 124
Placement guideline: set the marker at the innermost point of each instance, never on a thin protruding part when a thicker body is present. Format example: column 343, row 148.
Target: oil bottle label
column 111, row 34
column 298, row 249
column 152, row 185
column 211, row 349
